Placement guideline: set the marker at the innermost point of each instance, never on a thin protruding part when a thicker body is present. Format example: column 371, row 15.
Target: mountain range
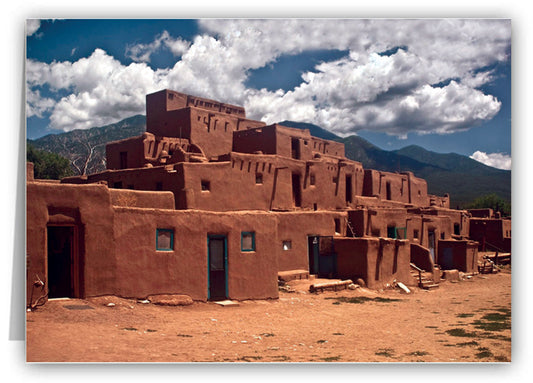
column 462, row 177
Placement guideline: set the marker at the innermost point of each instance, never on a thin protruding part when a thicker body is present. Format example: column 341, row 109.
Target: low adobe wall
column 460, row 255
column 86, row 208
column 142, row 270
column 378, row 261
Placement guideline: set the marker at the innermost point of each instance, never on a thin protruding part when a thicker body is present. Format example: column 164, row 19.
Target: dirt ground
column 465, row 321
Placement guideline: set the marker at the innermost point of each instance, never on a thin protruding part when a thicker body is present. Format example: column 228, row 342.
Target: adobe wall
column 168, row 178
column 139, row 151
column 400, row 187
column 378, row 261
column 142, row 270
column 142, row 199
column 168, row 100
column 460, row 255
column 287, row 142
column 86, row 207
column 297, row 227
column 492, row 234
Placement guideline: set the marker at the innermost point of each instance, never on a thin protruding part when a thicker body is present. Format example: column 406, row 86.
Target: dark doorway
column 295, row 148
column 388, row 189
column 431, row 243
column 296, row 190
column 123, row 160
column 313, row 246
column 63, row 265
column 348, row 188
column 218, row 261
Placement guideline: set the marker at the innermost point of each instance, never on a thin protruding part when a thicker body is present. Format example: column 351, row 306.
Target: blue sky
column 443, row 84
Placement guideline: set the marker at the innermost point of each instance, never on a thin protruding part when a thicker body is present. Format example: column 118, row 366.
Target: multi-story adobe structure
column 213, row 205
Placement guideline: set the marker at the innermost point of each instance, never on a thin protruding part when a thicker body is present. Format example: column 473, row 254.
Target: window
column 312, row 179
column 248, row 241
column 159, row 186
column 287, row 245
column 415, row 234
column 442, row 235
column 206, row 185
column 117, row 185
column 456, row 229
column 391, row 232
column 258, row 178
column 164, row 240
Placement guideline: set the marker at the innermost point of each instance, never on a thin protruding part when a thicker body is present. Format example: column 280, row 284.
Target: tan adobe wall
column 378, row 261
column 143, row 270
column 459, row 255
column 297, row 228
column 86, row 208
column 142, row 199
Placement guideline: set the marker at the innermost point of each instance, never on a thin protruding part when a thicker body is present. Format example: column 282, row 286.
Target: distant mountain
column 85, row 148
column 462, row 177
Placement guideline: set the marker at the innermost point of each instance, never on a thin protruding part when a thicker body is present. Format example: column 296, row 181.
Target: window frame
column 244, row 233
column 160, row 230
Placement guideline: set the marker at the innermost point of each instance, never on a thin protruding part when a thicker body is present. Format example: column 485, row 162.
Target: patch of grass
column 460, row 332
column 338, row 333
column 483, row 353
column 267, row 334
column 281, row 358
column 129, row 329
column 418, row 353
column 331, row 358
column 464, row 315
column 501, row 358
column 249, row 358
column 431, row 327
column 322, row 341
column 359, row 300
column 494, row 321
column 471, row 343
column 388, row 352
column 184, row 335
column 150, row 330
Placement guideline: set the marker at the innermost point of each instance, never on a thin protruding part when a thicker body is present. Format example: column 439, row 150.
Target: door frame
column 225, row 238
column 76, row 261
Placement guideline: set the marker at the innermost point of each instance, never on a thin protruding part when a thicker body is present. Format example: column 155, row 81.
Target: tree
column 491, row 201
column 47, row 165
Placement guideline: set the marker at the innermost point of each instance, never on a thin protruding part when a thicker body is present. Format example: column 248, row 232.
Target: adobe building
column 213, row 205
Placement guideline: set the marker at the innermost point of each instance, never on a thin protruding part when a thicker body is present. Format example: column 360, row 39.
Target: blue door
column 217, row 273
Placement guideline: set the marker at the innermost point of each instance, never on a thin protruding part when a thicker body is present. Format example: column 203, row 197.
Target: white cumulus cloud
column 143, row 52
column 496, row 160
column 32, row 26
column 428, row 81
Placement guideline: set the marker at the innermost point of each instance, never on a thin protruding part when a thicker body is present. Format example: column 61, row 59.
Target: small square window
column 206, row 185
column 415, row 234
column 164, row 239
column 248, row 241
column 258, row 178
column 287, row 245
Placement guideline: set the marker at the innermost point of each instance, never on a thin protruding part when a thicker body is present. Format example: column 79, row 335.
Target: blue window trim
column 252, row 233
column 171, row 231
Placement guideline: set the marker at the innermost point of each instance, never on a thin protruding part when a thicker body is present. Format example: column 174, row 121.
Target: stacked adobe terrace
column 214, row 205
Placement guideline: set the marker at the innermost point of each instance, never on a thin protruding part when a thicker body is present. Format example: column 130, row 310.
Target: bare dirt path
column 467, row 321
